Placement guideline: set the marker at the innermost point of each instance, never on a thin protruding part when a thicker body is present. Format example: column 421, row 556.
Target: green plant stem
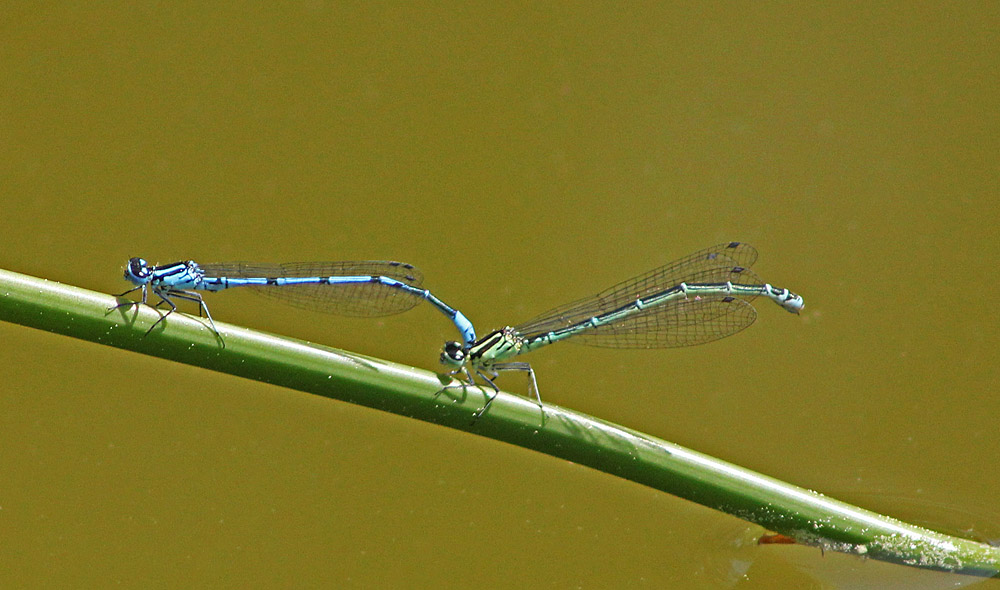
column 804, row 515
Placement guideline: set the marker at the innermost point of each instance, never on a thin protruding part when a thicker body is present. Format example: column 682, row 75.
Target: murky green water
column 522, row 157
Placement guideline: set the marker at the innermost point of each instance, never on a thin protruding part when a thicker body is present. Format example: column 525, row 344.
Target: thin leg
column 163, row 298
column 195, row 297
column 464, row 383
column 532, row 383
column 472, row 380
column 489, row 401
column 129, row 303
column 469, row 380
column 494, row 373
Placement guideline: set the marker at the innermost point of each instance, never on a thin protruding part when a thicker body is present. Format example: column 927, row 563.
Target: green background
column 522, row 156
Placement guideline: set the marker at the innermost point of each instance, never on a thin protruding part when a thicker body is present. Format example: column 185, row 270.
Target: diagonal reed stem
column 804, row 515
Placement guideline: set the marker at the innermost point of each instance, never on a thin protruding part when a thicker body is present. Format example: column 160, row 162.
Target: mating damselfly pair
column 700, row 298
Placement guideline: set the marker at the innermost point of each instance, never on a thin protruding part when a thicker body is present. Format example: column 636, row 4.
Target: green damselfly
column 697, row 299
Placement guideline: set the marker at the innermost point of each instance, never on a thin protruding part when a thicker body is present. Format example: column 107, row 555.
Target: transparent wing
column 688, row 322
column 353, row 299
column 725, row 262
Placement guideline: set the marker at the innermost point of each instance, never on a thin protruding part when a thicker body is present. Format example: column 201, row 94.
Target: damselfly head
column 137, row 271
column 453, row 355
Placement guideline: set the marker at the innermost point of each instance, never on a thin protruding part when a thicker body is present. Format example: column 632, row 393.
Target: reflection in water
column 843, row 571
column 981, row 525
column 747, row 562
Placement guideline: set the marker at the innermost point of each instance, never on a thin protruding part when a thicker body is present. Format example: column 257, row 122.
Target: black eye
column 453, row 350
column 138, row 268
